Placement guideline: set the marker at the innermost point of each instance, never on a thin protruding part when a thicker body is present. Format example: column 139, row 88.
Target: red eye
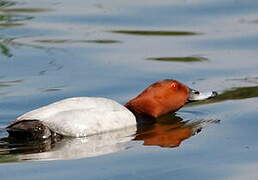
column 173, row 85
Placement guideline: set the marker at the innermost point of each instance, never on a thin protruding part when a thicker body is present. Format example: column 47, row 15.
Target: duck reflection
column 168, row 131
column 68, row 148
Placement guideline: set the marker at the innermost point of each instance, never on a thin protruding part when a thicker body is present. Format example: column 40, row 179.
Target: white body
column 82, row 116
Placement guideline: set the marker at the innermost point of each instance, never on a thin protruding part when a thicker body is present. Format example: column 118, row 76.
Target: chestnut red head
column 160, row 98
column 165, row 96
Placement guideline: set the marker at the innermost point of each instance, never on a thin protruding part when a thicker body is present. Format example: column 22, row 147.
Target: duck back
column 82, row 116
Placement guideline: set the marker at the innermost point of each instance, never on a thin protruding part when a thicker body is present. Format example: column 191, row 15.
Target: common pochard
column 84, row 116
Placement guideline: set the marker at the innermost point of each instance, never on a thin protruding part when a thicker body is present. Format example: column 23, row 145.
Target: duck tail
column 28, row 130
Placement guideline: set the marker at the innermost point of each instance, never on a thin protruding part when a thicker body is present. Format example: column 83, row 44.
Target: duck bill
column 195, row 95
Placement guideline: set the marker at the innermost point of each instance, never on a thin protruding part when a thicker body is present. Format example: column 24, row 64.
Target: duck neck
column 140, row 116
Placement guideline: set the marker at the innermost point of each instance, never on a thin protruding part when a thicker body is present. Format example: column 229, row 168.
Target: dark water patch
column 233, row 94
column 9, row 18
column 15, row 17
column 156, row 33
column 53, row 89
column 5, row 25
column 7, row 158
column 24, row 10
column 180, row 59
column 104, row 41
column 5, row 50
column 4, row 84
column 62, row 41
column 4, row 4
column 238, row 93
column 9, row 45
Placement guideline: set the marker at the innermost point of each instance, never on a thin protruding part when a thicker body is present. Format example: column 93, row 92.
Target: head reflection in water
column 168, row 131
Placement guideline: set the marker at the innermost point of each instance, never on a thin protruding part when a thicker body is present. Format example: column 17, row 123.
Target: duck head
column 165, row 96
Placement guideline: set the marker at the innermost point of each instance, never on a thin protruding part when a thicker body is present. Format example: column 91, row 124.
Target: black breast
column 29, row 130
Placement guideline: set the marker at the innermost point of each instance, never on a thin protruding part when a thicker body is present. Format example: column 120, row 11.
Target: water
column 50, row 50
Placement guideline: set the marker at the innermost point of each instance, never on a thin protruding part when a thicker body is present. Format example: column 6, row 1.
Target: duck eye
column 173, row 85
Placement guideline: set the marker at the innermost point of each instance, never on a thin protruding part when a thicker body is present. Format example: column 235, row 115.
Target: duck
column 86, row 116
